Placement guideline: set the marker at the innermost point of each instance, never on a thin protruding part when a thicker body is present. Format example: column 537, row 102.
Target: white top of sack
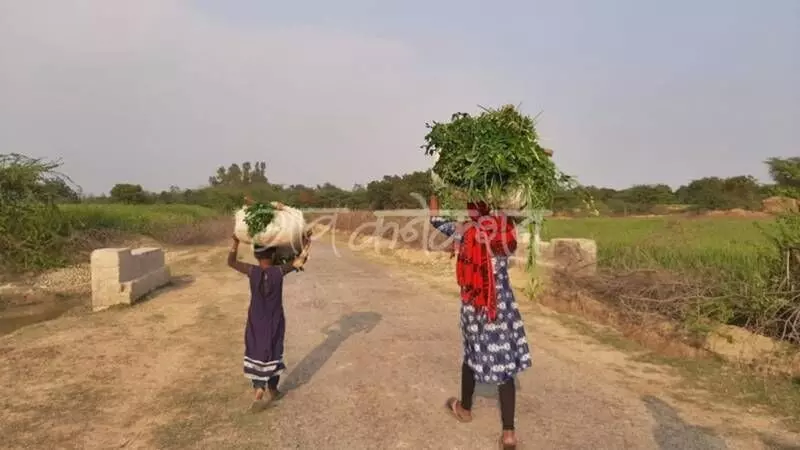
column 285, row 230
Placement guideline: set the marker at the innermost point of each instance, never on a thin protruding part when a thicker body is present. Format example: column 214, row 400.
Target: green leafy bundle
column 494, row 154
column 258, row 216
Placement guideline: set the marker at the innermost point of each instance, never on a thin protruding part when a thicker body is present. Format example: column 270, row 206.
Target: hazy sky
column 162, row 92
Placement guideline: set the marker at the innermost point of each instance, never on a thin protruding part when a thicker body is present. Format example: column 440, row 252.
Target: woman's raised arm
column 233, row 262
column 442, row 225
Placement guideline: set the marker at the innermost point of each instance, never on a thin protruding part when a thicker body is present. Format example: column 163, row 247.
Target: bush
column 33, row 231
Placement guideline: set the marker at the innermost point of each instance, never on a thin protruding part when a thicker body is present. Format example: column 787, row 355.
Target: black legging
column 507, row 391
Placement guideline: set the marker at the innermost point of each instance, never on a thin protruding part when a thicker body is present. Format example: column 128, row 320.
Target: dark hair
column 265, row 253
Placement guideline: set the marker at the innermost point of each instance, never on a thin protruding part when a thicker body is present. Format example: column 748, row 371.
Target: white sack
column 285, row 230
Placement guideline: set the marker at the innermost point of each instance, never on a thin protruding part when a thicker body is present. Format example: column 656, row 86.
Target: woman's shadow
column 337, row 333
column 673, row 433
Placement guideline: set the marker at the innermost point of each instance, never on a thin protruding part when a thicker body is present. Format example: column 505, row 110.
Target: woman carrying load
column 266, row 323
column 493, row 335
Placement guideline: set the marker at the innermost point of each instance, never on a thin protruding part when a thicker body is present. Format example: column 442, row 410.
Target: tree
column 381, row 194
column 304, row 195
column 566, row 200
column 649, row 194
column 704, row 193
column 219, row 178
column 245, row 175
column 330, row 196
column 128, row 193
column 742, row 192
column 233, row 182
column 714, row 193
column 358, row 198
column 785, row 172
column 601, row 194
column 397, row 192
column 258, row 175
column 234, row 175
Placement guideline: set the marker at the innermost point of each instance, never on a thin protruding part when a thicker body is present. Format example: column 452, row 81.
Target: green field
column 676, row 243
column 141, row 219
column 734, row 245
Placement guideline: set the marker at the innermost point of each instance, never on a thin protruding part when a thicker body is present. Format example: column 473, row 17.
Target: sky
column 162, row 92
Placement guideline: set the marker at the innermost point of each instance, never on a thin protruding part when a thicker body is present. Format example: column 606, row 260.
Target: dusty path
column 372, row 351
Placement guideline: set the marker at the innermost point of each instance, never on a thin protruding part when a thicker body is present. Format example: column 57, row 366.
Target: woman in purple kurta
column 266, row 323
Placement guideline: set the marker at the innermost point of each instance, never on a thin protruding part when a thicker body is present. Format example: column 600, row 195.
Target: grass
column 679, row 244
column 709, row 269
column 140, row 219
column 734, row 245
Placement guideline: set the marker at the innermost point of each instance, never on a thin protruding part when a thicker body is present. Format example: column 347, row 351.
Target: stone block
column 546, row 250
column 121, row 276
column 576, row 255
column 544, row 256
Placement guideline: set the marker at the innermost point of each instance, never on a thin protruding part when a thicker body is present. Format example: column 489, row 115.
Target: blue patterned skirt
column 496, row 351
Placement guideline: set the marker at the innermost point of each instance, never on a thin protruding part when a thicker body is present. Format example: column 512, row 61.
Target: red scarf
column 484, row 236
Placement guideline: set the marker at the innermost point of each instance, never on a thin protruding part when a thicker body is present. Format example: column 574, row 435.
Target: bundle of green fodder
column 494, row 157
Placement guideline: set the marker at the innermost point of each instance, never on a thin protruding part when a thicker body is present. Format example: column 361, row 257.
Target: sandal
column 452, row 405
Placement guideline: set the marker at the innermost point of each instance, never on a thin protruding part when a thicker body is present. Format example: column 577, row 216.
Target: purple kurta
column 266, row 324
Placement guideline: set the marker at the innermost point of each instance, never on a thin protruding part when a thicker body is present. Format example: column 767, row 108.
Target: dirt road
column 373, row 352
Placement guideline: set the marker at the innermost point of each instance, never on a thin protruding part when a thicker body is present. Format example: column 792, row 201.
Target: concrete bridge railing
column 578, row 256
column 121, row 276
